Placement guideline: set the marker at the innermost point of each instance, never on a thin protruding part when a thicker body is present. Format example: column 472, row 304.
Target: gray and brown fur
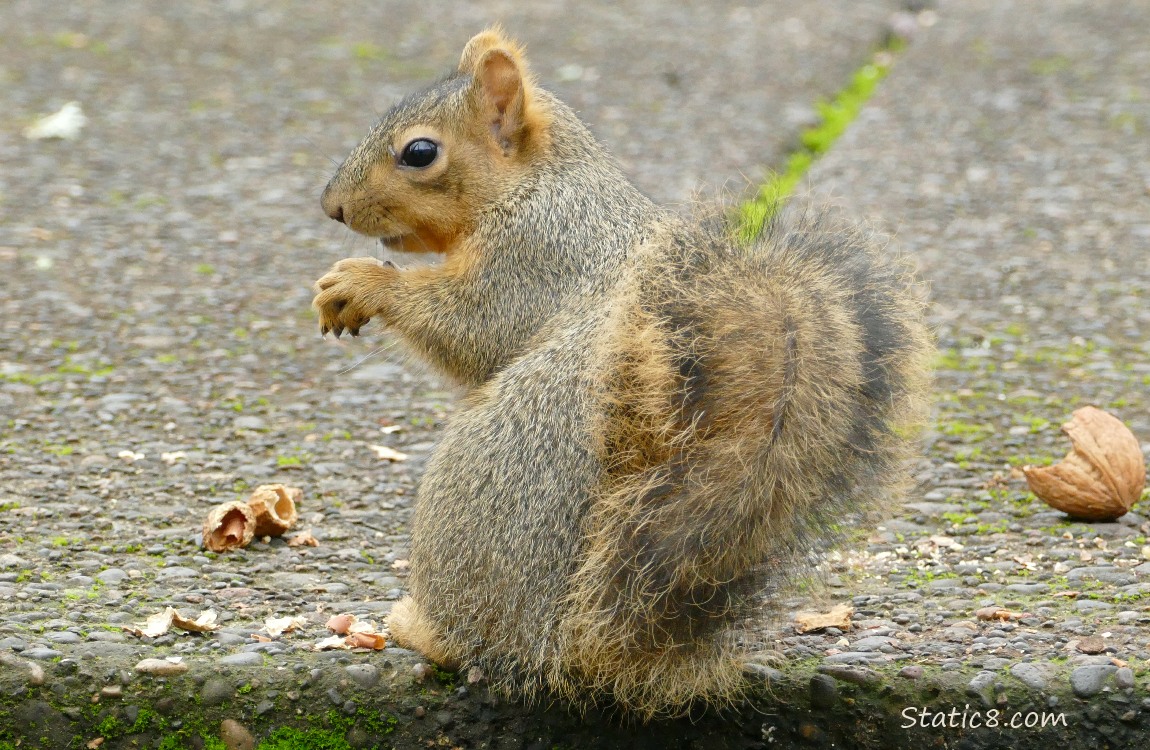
column 662, row 421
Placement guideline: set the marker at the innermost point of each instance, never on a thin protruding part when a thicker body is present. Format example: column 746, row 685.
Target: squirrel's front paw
column 351, row 293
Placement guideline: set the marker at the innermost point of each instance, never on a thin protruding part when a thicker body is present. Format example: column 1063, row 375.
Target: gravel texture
column 158, row 356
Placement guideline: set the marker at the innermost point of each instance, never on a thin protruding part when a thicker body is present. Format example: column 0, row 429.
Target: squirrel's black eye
column 419, row 153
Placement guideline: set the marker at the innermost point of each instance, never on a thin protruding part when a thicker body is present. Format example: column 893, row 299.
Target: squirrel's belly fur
column 664, row 421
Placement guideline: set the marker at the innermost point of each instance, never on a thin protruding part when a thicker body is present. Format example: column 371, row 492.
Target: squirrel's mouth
column 392, row 241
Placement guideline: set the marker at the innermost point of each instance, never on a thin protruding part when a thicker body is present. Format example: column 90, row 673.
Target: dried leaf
column 205, row 623
column 161, row 622
column 387, row 454
column 303, row 539
column 1068, row 594
column 155, row 626
column 838, row 617
column 261, row 638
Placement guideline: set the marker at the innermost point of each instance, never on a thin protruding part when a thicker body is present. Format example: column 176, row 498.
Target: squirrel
column 662, row 421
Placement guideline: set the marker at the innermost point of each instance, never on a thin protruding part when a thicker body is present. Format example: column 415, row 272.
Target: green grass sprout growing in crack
column 834, row 117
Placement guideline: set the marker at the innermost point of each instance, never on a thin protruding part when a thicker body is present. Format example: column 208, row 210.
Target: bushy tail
column 757, row 397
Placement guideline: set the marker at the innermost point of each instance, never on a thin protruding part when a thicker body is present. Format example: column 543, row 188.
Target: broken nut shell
column 1102, row 476
column 229, row 526
column 274, row 508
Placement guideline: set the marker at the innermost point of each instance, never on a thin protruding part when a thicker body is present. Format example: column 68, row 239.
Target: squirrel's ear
column 504, row 95
column 490, row 38
column 503, row 85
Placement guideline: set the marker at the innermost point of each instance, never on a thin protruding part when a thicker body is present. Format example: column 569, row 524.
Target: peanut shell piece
column 274, row 508
column 1102, row 476
column 229, row 526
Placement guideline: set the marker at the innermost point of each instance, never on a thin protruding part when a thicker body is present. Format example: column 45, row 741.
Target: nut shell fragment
column 375, row 641
column 274, row 508
column 229, row 526
column 1102, row 476
column 341, row 624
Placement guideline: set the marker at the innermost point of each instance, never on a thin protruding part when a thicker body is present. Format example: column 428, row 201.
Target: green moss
column 443, row 677
column 25, row 378
column 1045, row 66
column 58, row 450
column 145, row 720
column 963, row 456
column 952, row 359
column 77, row 368
column 287, row 738
column 368, row 51
column 1030, row 460
column 969, row 432
column 110, row 726
column 993, row 528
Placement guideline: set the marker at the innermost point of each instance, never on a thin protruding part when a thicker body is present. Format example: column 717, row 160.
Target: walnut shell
column 229, row 526
column 1102, row 476
column 274, row 506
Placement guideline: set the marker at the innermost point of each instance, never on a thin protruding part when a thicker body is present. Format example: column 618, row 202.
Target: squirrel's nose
column 331, row 205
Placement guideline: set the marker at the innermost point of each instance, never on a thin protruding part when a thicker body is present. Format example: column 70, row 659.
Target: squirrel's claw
column 346, row 295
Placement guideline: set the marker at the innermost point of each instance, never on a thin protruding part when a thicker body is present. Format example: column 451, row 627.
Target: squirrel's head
column 423, row 175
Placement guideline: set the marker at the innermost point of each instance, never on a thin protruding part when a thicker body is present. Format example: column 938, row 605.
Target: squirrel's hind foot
column 411, row 629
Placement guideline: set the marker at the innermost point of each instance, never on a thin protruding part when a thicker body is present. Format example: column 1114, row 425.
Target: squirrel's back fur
column 664, row 421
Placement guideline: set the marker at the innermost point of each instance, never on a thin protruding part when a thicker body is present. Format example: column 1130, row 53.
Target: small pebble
column 364, row 675
column 242, row 659
column 1088, row 680
column 824, row 691
column 161, row 667
column 236, row 736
